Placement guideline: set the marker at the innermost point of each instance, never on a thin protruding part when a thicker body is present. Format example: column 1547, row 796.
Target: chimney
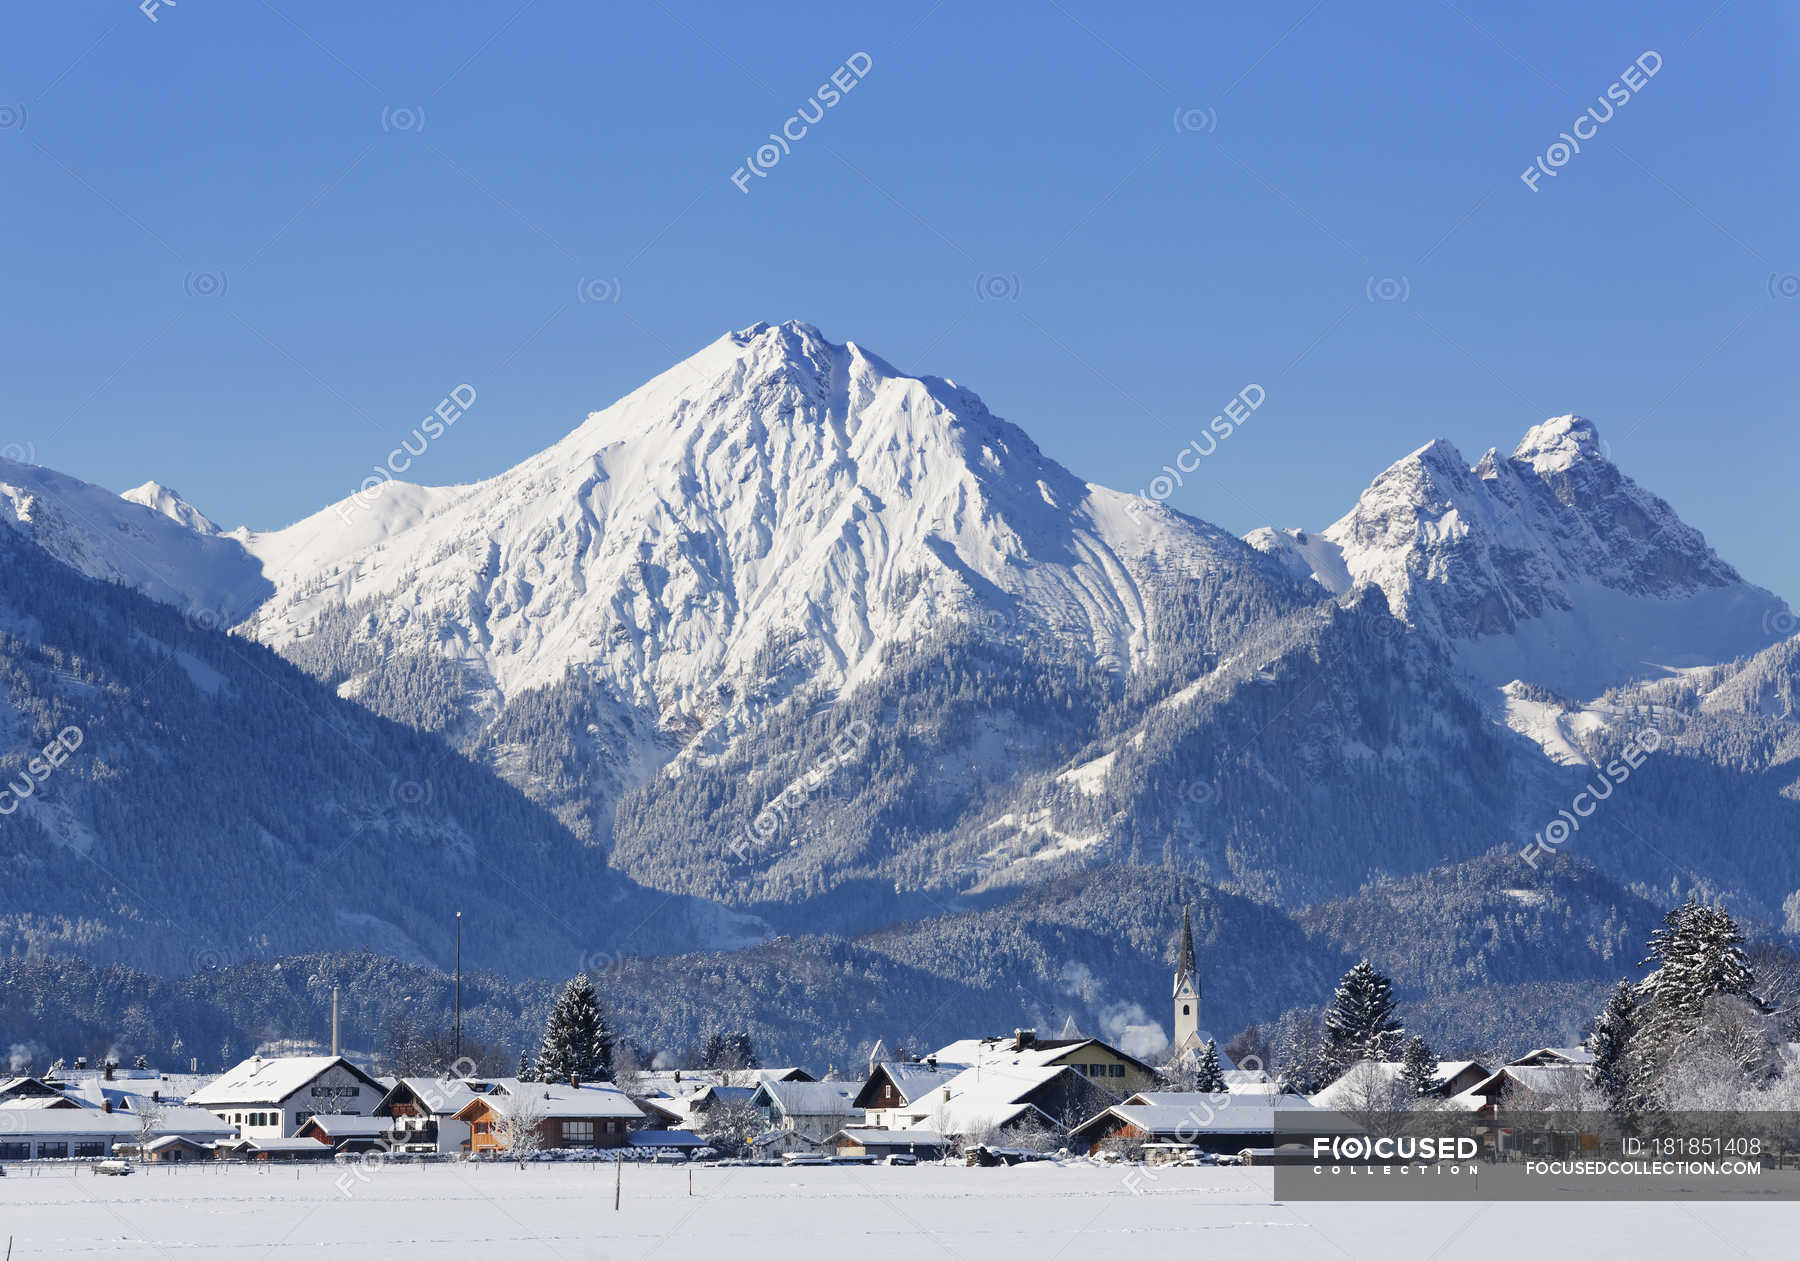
column 574, row 1082
column 156, row 1096
column 81, row 1062
column 1024, row 1039
column 106, row 1105
column 107, row 1069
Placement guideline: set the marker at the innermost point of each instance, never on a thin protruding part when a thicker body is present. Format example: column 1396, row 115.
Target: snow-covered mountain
column 773, row 494
column 769, row 517
column 148, row 539
column 1549, row 565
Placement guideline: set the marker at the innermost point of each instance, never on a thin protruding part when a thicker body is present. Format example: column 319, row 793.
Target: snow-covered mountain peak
column 776, row 501
column 159, row 498
column 1559, row 443
column 1551, row 565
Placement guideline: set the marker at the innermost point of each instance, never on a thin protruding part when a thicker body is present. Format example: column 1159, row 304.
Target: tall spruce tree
column 577, row 1044
column 1209, row 1078
column 1615, row 1072
column 1418, row 1068
column 1360, row 1024
column 527, row 1067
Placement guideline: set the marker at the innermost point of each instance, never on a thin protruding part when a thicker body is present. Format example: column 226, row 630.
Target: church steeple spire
column 1187, row 990
column 1184, row 967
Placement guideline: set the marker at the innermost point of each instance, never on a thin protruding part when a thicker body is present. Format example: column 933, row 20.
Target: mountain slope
column 148, row 540
column 206, row 800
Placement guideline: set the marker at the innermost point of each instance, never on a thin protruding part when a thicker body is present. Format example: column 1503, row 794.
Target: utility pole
column 457, row 1056
column 334, row 1021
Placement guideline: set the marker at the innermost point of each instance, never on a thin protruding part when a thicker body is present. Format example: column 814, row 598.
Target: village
column 997, row 1099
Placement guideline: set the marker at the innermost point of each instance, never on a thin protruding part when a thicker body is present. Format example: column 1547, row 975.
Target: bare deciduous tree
column 519, row 1121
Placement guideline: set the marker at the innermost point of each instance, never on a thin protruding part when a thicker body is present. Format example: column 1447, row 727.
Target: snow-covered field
column 1043, row 1212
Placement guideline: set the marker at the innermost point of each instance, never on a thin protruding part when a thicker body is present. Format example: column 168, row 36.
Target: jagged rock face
column 1549, row 565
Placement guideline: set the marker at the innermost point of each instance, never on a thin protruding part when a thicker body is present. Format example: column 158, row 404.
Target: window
column 15, row 1151
column 1186, row 1010
column 1115, row 1070
column 578, row 1131
column 90, row 1149
column 52, row 1151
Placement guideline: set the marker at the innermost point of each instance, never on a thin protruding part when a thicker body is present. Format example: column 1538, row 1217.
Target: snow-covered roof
column 345, row 1125
column 1001, row 1083
column 444, row 1096
column 1343, row 1092
column 258, row 1080
column 560, row 1100
column 665, row 1138
column 1565, row 1054
column 812, row 1098
column 188, row 1120
column 1038, row 1054
column 914, row 1078
column 308, row 1145
column 978, row 1116
column 1534, row 1078
column 37, row 1103
column 54, row 1121
column 871, row 1136
column 172, row 1140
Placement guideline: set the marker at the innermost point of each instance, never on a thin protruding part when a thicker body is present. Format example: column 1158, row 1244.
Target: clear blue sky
column 1137, row 274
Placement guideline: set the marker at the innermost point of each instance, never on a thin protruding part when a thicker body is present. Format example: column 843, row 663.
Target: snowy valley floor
column 873, row 1214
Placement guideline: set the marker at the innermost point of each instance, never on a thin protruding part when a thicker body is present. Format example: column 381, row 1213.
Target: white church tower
column 1187, row 992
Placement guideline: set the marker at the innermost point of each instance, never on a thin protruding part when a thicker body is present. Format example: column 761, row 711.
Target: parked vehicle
column 901, row 1158
column 113, row 1168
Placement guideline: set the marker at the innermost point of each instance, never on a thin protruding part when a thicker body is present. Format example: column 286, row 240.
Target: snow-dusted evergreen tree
column 1617, row 1071
column 1418, row 1067
column 577, row 1043
column 527, row 1067
column 1297, row 1053
column 731, row 1053
column 1360, row 1024
column 1699, row 955
column 1209, row 1078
